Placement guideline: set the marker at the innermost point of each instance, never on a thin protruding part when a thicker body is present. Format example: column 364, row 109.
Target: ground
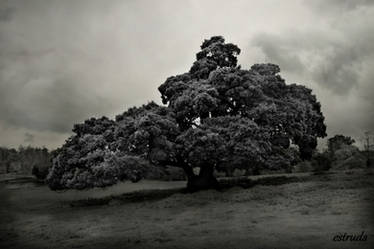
column 302, row 214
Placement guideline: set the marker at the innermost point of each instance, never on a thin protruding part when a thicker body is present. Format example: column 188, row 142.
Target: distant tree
column 337, row 142
column 321, row 161
column 217, row 115
column 6, row 157
column 40, row 172
column 368, row 145
column 26, row 158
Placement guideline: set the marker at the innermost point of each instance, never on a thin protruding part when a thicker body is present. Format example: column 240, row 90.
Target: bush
column 40, row 172
column 321, row 162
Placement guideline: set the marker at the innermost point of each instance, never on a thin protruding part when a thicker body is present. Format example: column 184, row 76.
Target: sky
column 62, row 62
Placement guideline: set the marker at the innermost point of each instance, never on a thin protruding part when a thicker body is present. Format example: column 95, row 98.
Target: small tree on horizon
column 337, row 142
column 368, row 145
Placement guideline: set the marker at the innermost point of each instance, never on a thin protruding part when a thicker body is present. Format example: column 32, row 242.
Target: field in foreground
column 304, row 214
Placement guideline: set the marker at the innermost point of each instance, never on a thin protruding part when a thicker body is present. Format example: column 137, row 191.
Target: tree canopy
column 217, row 115
column 336, row 142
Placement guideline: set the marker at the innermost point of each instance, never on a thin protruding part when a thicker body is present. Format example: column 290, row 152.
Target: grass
column 137, row 196
column 285, row 211
column 157, row 194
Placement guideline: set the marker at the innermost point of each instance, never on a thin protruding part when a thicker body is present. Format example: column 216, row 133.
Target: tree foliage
column 321, row 161
column 287, row 112
column 337, row 142
column 25, row 160
column 217, row 115
column 103, row 152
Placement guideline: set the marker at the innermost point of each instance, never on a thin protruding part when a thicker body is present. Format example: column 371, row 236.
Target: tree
column 103, row 152
column 321, row 161
column 367, row 147
column 7, row 156
column 29, row 159
column 217, row 115
column 337, row 142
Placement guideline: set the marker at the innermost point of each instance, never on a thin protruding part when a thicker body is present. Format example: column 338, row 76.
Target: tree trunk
column 229, row 172
column 205, row 180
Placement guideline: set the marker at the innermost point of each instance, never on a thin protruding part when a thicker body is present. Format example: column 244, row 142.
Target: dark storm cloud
column 338, row 5
column 6, row 13
column 37, row 92
column 280, row 51
column 337, row 55
column 335, row 64
column 42, row 86
column 48, row 104
column 64, row 61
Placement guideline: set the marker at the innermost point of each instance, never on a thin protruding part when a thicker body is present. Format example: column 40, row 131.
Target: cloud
column 334, row 63
column 336, row 58
column 338, row 5
column 64, row 61
column 45, row 103
column 6, row 13
column 54, row 74
column 13, row 137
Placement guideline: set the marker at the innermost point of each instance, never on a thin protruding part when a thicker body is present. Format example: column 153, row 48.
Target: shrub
column 321, row 162
column 40, row 172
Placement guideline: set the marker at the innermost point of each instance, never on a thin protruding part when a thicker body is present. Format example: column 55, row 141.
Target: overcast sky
column 62, row 62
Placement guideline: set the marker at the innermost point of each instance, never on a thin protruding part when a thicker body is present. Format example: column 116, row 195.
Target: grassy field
column 306, row 213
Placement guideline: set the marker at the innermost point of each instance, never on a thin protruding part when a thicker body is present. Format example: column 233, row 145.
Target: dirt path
column 295, row 215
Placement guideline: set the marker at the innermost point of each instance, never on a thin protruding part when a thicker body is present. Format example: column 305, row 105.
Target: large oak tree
column 216, row 116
